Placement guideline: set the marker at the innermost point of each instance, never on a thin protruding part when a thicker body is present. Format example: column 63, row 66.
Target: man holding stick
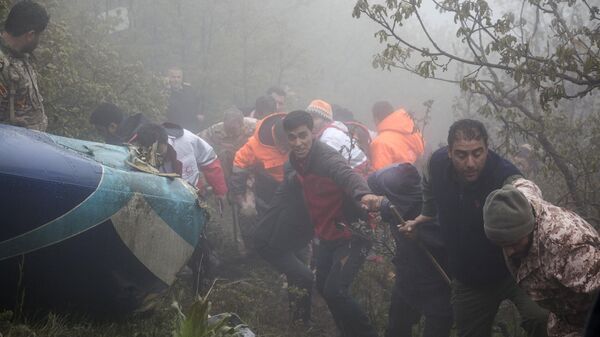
column 457, row 180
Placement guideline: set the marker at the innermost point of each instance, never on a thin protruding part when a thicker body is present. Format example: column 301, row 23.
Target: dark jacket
column 183, row 108
column 286, row 225
column 331, row 190
column 473, row 259
column 127, row 129
column 415, row 273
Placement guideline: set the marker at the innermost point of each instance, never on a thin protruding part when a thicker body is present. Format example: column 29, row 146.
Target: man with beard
column 553, row 253
column 457, row 180
column 21, row 103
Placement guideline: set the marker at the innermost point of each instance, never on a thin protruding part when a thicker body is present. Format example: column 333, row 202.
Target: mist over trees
column 532, row 67
column 230, row 52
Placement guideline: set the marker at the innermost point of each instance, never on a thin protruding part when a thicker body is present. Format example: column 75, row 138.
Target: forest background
column 529, row 68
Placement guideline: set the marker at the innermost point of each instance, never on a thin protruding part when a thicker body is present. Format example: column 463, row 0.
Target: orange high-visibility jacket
column 260, row 149
column 398, row 141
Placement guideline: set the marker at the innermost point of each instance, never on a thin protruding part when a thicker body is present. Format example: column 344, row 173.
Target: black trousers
column 299, row 277
column 337, row 264
column 408, row 305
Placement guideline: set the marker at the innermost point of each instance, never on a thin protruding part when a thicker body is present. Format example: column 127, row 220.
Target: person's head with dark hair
column 264, row 106
column 233, row 121
column 468, row 148
column 342, row 114
column 149, row 134
column 381, row 110
column 106, row 118
column 24, row 24
column 298, row 126
column 467, row 129
column 278, row 94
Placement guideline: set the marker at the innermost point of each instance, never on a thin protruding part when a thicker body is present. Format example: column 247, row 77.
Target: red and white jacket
column 196, row 156
column 337, row 136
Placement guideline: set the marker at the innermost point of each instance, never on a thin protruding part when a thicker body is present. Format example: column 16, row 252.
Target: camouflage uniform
column 19, row 91
column 225, row 145
column 561, row 271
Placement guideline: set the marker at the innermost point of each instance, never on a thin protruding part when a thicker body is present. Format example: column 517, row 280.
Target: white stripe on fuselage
column 150, row 239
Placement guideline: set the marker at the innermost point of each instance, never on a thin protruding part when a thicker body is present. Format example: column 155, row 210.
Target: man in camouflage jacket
column 229, row 136
column 552, row 253
column 20, row 98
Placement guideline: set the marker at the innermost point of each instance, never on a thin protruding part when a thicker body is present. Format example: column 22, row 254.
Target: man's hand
column 371, row 202
column 409, row 228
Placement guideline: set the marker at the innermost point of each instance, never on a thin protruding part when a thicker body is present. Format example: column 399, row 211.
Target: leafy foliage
column 196, row 323
column 79, row 68
column 230, row 52
column 537, row 70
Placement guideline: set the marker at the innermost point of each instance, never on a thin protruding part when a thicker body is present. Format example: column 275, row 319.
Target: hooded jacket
column 398, row 141
column 259, row 152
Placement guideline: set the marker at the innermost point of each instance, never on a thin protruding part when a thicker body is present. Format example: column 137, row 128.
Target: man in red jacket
column 334, row 195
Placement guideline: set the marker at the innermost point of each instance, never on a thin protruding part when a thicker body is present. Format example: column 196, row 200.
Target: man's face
column 519, row 249
column 468, row 158
column 279, row 101
column 175, row 79
column 32, row 39
column 300, row 141
column 233, row 127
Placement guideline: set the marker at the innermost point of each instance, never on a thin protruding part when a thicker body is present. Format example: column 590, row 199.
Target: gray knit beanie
column 507, row 216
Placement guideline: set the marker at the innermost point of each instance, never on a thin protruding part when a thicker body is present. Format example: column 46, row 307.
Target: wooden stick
column 427, row 252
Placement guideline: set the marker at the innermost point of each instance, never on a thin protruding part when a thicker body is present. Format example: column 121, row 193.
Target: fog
column 232, row 51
